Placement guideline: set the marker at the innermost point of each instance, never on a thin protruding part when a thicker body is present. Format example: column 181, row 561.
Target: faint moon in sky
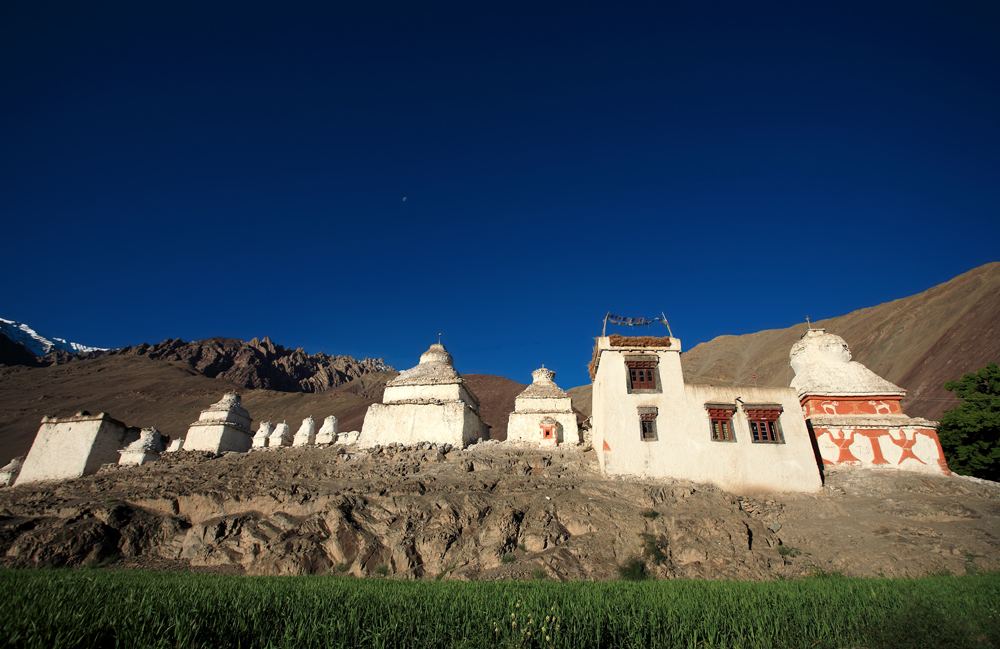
column 404, row 199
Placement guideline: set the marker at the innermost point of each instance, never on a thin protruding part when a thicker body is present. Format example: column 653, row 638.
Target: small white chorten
column 8, row 474
column 175, row 445
column 281, row 436
column 328, row 431
column 428, row 403
column 543, row 414
column 143, row 450
column 263, row 433
column 224, row 426
column 306, row 435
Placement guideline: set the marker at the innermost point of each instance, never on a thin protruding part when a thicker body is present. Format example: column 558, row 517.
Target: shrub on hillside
column 970, row 433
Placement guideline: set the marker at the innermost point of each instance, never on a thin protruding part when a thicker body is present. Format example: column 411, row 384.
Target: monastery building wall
column 648, row 423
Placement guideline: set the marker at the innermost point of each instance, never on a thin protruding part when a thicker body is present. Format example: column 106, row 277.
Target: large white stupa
column 428, row 403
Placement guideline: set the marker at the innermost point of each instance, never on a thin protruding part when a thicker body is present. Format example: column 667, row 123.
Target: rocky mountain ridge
column 257, row 364
column 37, row 344
column 260, row 364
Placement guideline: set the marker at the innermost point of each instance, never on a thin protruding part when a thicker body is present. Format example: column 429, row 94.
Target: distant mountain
column 38, row 344
column 260, row 364
column 256, row 364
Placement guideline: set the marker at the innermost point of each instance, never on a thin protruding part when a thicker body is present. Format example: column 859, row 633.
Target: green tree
column 970, row 433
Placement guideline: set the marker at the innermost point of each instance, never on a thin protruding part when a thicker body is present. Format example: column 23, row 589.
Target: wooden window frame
column 721, row 422
column 764, row 423
column 643, row 374
column 647, row 424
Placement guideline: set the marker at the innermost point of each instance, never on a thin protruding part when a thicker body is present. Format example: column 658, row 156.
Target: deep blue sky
column 179, row 170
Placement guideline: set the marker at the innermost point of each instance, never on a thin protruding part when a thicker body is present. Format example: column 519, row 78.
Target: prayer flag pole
column 667, row 323
column 604, row 329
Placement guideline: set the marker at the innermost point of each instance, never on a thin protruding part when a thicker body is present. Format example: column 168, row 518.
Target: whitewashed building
column 143, row 450
column 855, row 415
column 223, row 427
column 71, row 447
column 543, row 414
column 648, row 423
column 428, row 403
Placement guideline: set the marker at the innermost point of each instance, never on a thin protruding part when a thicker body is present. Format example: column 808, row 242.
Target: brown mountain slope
column 141, row 391
column 917, row 342
column 496, row 400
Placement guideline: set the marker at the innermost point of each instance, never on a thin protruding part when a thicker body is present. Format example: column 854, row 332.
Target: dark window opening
column 764, row 425
column 647, row 426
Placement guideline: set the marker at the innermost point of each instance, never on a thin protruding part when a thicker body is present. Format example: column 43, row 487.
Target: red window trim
column 641, row 373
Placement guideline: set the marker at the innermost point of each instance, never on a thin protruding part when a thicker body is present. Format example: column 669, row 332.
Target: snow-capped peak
column 38, row 344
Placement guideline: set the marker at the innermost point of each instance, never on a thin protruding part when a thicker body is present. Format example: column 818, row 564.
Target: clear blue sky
column 237, row 169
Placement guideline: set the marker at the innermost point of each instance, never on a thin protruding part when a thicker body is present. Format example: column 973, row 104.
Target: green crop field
column 112, row 608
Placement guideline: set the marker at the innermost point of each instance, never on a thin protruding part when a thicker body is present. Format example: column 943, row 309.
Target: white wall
column 217, row 438
column 454, row 422
column 424, row 393
column 684, row 448
column 74, row 447
column 525, row 427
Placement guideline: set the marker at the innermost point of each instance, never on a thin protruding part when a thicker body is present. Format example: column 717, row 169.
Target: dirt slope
column 141, row 391
column 918, row 342
column 421, row 512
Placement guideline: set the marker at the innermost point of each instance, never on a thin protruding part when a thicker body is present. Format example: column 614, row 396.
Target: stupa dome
column 435, row 367
column 816, row 347
column 542, row 386
column 543, row 375
column 437, row 354
column 823, row 367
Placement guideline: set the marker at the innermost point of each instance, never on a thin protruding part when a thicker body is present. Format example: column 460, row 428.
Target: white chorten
column 263, row 433
column 328, row 431
column 281, row 436
column 823, row 366
column 8, row 474
column 224, row 426
column 306, row 435
column 543, row 414
column 428, row 403
column 143, row 450
column 854, row 415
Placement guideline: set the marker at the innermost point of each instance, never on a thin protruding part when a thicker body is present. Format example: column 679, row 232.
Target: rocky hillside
column 488, row 512
column 260, row 363
column 255, row 364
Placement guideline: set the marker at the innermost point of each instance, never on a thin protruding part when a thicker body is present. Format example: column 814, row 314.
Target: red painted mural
column 851, row 406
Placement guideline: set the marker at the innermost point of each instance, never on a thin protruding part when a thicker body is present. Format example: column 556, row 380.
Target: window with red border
column 641, row 373
column 721, row 418
column 764, row 426
column 647, row 423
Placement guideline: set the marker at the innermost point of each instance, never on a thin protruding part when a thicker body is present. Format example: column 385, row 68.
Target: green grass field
column 111, row 608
